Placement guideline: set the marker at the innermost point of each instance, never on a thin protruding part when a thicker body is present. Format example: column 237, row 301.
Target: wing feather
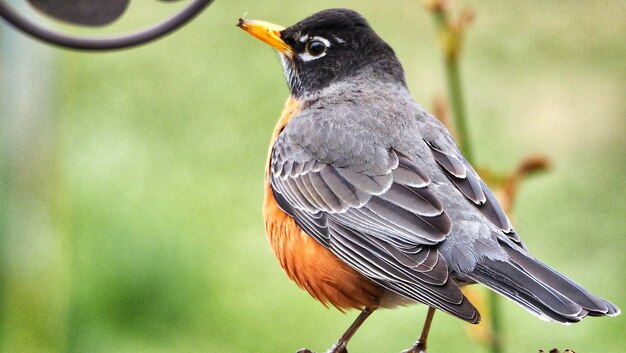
column 384, row 221
column 465, row 178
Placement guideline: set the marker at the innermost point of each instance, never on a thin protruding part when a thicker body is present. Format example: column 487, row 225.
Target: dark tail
column 540, row 289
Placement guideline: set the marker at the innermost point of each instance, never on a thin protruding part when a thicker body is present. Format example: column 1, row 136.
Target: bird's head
column 329, row 46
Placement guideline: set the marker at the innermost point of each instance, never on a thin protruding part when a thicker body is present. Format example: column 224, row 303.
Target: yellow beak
column 267, row 32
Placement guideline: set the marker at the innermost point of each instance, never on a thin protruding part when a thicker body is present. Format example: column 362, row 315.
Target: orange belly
column 308, row 263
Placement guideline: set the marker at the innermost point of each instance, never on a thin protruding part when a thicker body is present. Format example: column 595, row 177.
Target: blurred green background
column 131, row 181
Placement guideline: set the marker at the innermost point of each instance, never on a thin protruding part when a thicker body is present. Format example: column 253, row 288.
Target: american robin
column 368, row 201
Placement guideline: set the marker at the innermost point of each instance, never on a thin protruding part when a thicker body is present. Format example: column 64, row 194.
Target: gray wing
column 465, row 178
column 518, row 276
column 377, row 213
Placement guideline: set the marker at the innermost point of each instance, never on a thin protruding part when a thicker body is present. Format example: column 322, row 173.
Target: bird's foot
column 418, row 347
column 305, row 350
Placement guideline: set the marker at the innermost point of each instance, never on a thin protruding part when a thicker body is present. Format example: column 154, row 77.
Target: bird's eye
column 315, row 47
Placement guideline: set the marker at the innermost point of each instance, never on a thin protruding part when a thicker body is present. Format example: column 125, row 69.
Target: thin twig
column 451, row 39
column 451, row 36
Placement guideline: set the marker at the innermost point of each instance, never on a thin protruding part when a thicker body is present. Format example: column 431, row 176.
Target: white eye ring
column 306, row 56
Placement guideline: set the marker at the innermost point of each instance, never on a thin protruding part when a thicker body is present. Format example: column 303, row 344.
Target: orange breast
column 312, row 266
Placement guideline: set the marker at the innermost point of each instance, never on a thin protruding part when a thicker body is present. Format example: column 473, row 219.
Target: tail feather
column 540, row 289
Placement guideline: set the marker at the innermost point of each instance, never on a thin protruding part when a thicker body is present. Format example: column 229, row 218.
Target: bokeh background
column 131, row 181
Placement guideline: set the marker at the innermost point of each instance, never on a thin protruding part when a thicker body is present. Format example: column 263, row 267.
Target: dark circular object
column 102, row 43
column 83, row 12
column 315, row 47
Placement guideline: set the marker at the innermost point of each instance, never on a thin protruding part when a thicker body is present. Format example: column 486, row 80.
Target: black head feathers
column 331, row 19
column 333, row 45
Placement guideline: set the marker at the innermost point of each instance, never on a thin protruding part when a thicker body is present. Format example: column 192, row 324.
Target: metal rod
column 102, row 43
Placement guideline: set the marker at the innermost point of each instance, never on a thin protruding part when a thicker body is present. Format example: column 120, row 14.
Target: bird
column 368, row 201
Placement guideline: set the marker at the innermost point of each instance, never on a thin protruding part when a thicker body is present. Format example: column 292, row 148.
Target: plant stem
column 451, row 45
column 495, row 344
column 451, row 49
column 457, row 106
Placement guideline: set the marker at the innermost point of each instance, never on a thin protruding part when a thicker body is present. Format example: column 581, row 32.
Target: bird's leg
column 340, row 346
column 420, row 345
